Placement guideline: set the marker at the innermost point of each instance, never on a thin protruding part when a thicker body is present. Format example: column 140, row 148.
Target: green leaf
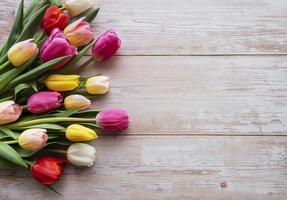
column 8, row 132
column 4, row 164
column 66, row 113
column 87, row 113
column 8, row 153
column 50, row 187
column 34, row 85
column 92, row 126
column 89, row 14
column 25, row 153
column 6, row 78
column 19, row 88
column 2, row 135
column 33, row 7
column 56, row 2
column 35, row 72
column 15, row 32
column 44, row 126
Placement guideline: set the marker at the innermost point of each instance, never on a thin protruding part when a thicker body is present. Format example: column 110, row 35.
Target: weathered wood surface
column 199, row 95
column 170, row 27
column 168, row 167
column 184, row 108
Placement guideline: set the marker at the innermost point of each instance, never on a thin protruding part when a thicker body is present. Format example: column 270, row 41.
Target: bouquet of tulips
column 45, row 106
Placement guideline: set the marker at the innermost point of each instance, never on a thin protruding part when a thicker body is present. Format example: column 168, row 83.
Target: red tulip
column 54, row 18
column 57, row 46
column 106, row 46
column 47, row 170
column 114, row 120
column 43, row 102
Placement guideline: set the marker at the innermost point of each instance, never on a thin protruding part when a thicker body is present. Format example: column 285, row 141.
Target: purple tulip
column 43, row 102
column 106, row 46
column 114, row 120
column 57, row 46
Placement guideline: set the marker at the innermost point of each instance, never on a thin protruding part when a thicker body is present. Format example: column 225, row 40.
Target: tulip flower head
column 22, row 52
column 61, row 83
column 98, row 85
column 76, row 101
column 33, row 139
column 106, row 46
column 79, row 133
column 57, row 46
column 43, row 102
column 114, row 120
column 82, row 155
column 47, row 170
column 79, row 33
column 54, row 18
column 76, row 7
column 9, row 112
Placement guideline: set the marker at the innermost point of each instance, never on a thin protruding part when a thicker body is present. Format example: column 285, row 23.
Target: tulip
column 81, row 155
column 79, row 33
column 114, row 120
column 22, row 52
column 79, row 133
column 57, row 46
column 98, row 85
column 76, row 7
column 33, row 139
column 43, row 102
column 106, row 46
column 47, row 170
column 76, row 101
column 54, row 18
column 62, row 83
column 9, row 112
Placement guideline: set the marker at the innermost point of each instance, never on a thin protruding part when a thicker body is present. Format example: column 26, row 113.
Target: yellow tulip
column 21, row 52
column 76, row 7
column 79, row 133
column 62, row 83
column 76, row 101
column 33, row 139
column 98, row 85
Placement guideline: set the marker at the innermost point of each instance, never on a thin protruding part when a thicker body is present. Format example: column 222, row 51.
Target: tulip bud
column 76, row 7
column 98, row 85
column 79, row 33
column 22, row 52
column 43, row 102
column 76, row 101
column 57, row 46
column 9, row 112
column 79, row 133
column 62, row 83
column 80, row 154
column 114, row 120
column 54, row 18
column 33, row 139
column 106, row 46
column 47, row 170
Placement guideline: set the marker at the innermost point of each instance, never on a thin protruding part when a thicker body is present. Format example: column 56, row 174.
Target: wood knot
column 223, row 184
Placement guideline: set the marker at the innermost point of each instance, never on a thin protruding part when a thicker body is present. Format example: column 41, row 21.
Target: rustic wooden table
column 205, row 83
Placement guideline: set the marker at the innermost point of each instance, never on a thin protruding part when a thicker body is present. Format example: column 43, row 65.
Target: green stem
column 83, row 66
column 28, row 162
column 57, row 151
column 11, row 142
column 50, row 120
column 6, row 64
column 7, row 98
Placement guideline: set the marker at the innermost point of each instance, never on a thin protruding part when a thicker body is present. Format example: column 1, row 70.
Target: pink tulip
column 43, row 102
column 106, row 46
column 79, row 33
column 9, row 112
column 57, row 46
column 114, row 120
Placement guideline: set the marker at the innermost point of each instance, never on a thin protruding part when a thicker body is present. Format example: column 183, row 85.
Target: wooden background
column 205, row 84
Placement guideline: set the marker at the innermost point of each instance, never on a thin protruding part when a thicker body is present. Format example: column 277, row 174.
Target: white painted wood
column 168, row 167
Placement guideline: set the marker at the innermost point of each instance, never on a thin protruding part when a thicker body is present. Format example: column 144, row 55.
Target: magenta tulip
column 106, row 46
column 43, row 102
column 57, row 46
column 114, row 120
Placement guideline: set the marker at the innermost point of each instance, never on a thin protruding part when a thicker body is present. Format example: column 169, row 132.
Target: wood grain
column 198, row 95
column 187, row 27
column 168, row 167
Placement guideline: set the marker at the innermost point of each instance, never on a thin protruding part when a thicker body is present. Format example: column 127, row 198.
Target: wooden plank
column 198, row 95
column 191, row 27
column 169, row 167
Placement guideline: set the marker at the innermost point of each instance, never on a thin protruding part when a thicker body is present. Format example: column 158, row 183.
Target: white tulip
column 33, row 139
column 76, row 7
column 80, row 154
